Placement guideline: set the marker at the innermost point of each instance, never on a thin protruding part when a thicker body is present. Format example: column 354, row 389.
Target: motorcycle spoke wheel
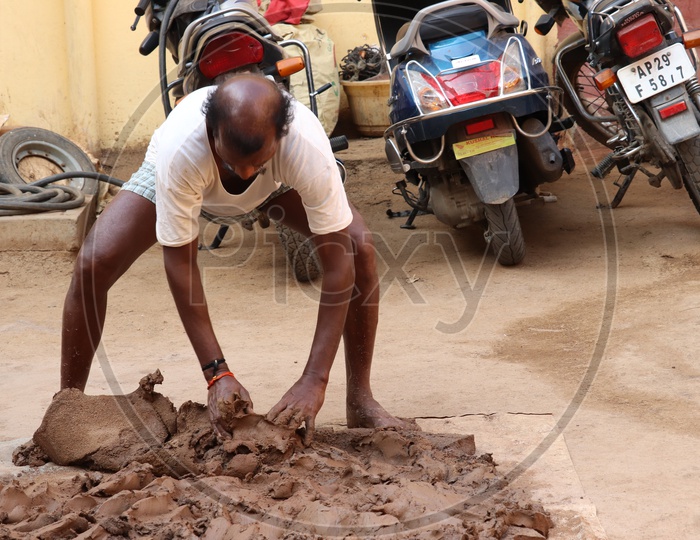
column 689, row 162
column 300, row 252
column 504, row 234
column 595, row 102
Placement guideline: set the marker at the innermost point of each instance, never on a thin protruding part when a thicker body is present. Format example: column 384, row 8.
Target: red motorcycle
column 631, row 83
column 211, row 40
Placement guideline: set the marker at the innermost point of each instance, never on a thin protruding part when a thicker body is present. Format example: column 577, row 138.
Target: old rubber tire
column 581, row 74
column 300, row 252
column 504, row 234
column 55, row 154
column 689, row 154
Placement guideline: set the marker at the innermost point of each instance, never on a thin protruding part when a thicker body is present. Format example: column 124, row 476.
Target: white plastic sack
column 325, row 70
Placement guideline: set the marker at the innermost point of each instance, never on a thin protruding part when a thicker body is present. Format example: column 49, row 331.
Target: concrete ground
column 596, row 329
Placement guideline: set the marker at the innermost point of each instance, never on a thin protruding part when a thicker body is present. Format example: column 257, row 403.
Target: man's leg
column 124, row 231
column 360, row 332
column 361, row 322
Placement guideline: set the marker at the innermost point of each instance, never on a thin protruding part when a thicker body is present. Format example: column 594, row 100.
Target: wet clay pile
column 160, row 473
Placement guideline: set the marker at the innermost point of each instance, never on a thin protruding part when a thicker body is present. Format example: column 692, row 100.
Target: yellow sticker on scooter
column 481, row 145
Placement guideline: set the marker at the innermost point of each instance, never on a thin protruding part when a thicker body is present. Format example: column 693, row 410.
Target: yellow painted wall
column 33, row 67
column 72, row 66
column 348, row 23
column 128, row 91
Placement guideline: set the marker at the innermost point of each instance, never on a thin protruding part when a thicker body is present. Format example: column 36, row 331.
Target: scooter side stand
column 409, row 214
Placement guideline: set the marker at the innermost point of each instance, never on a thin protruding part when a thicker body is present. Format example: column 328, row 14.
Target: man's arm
column 303, row 400
column 187, row 290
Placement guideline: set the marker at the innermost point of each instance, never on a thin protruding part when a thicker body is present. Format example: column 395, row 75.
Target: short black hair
column 216, row 111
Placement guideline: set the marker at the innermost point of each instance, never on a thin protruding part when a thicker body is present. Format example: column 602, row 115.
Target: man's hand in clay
column 300, row 403
column 227, row 399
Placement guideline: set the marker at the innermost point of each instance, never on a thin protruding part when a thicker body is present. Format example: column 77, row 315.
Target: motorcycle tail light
column 430, row 96
column 471, row 85
column 228, row 52
column 639, row 37
column 513, row 75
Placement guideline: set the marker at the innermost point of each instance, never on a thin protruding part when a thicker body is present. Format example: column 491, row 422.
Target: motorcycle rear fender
column 677, row 128
column 494, row 174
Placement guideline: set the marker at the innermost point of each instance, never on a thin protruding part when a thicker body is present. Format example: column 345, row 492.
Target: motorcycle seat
column 435, row 23
column 450, row 23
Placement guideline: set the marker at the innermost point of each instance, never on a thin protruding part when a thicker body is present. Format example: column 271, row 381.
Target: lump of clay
column 106, row 432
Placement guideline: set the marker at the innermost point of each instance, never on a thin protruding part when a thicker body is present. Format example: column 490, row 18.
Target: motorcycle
column 212, row 39
column 474, row 120
column 631, row 84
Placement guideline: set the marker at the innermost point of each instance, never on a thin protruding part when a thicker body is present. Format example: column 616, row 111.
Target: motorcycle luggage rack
column 309, row 72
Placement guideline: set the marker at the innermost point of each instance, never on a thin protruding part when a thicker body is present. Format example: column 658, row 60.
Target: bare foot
column 368, row 413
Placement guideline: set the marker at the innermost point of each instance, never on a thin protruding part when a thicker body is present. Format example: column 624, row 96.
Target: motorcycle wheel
column 689, row 153
column 29, row 154
column 581, row 74
column 300, row 253
column 504, row 234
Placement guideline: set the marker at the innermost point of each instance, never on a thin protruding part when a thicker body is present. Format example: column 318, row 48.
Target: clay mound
column 263, row 483
column 106, row 432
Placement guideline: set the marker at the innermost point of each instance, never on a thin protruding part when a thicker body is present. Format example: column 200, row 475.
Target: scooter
column 209, row 41
column 473, row 116
column 631, row 84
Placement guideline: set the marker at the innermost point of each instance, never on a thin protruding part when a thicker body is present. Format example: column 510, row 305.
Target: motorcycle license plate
column 655, row 73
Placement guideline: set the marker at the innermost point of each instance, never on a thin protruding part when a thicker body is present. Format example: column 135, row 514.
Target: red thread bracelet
column 217, row 377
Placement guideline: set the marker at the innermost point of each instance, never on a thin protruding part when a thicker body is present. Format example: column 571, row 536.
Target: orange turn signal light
column 691, row 39
column 605, row 79
column 290, row 66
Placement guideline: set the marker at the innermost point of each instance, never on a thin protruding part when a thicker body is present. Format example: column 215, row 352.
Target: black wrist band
column 214, row 364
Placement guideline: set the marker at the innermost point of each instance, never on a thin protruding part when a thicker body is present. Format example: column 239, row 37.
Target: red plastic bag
column 288, row 11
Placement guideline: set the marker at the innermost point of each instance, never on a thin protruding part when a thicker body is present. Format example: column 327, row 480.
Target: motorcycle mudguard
column 493, row 174
column 679, row 127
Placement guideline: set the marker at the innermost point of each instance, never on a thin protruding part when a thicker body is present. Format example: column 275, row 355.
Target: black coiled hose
column 19, row 199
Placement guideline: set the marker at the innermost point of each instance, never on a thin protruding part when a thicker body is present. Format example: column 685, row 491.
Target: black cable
column 361, row 63
column 20, row 199
column 162, row 58
column 78, row 174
